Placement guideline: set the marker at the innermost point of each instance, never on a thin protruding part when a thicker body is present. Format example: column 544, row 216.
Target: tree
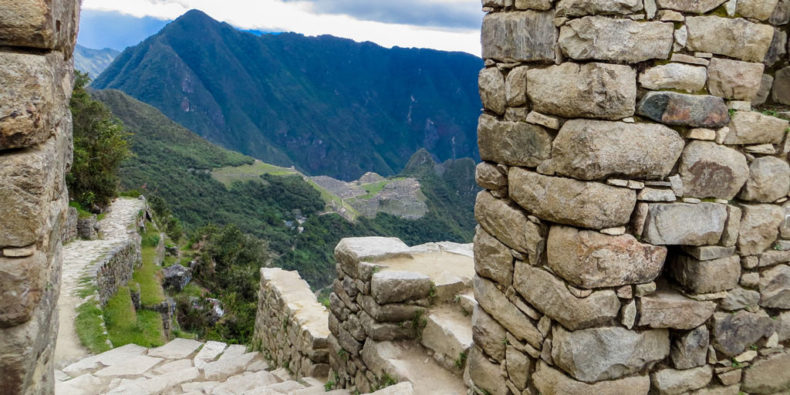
column 101, row 143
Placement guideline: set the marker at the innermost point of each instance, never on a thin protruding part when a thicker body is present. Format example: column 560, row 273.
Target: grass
column 81, row 212
column 230, row 174
column 88, row 325
column 192, row 289
column 126, row 326
column 147, row 276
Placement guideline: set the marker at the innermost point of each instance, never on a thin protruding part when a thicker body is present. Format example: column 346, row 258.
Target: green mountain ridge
column 327, row 106
column 93, row 61
column 172, row 162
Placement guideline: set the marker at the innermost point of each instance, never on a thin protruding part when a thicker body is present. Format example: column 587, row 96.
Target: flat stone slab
column 107, row 358
column 131, row 367
column 210, row 351
column 226, row 367
column 684, row 224
column 176, row 349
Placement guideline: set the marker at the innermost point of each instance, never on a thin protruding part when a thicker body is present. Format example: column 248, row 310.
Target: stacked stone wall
column 290, row 325
column 116, row 268
column 36, row 42
column 634, row 230
column 369, row 305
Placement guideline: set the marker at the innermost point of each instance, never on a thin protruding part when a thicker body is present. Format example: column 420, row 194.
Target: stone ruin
column 634, row 234
column 36, row 42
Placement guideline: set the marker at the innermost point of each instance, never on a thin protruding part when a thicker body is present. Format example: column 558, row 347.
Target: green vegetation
column 125, row 325
column 100, row 145
column 147, row 275
column 81, row 212
column 460, row 362
column 275, row 102
column 248, row 172
column 88, row 325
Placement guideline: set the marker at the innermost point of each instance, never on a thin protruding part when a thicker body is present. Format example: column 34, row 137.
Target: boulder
column 734, row 79
column 491, row 84
column 571, row 202
column 492, row 258
column 670, row 309
column 678, row 76
column 526, row 36
column 589, row 259
column 741, row 298
column 486, row 375
column 572, row 8
column 684, row 223
column 733, row 333
column 736, row 38
column 399, row 286
column 176, row 276
column 701, row 277
column 778, row 48
column 768, row 376
column 759, row 228
column 690, row 349
column 769, row 180
column 591, row 90
column 551, row 297
column 597, row 354
column 495, row 303
column 756, row 9
column 781, row 88
column 671, row 381
column 690, row 6
column 765, row 90
column 775, row 287
column 516, row 86
column 698, row 111
column 47, row 24
column 750, row 127
column 488, row 334
column 489, row 177
column 711, row 170
column 512, row 143
column 509, row 225
column 22, row 283
column 601, row 38
column 781, row 13
column 553, row 382
column 591, row 150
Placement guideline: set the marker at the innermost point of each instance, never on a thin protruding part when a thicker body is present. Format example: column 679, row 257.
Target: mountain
column 286, row 209
column 326, row 105
column 93, row 61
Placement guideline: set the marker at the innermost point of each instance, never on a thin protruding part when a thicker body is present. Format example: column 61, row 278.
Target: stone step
column 448, row 333
column 410, row 361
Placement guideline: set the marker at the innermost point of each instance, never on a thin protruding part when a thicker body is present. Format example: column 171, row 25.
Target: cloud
column 304, row 17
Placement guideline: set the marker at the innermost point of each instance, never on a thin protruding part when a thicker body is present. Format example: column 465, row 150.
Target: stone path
column 187, row 367
column 77, row 258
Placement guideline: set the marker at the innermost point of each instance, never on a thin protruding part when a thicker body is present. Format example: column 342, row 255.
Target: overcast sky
column 451, row 25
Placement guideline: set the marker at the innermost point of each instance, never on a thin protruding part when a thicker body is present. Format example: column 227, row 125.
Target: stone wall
column 290, row 325
column 635, row 231
column 36, row 42
column 115, row 269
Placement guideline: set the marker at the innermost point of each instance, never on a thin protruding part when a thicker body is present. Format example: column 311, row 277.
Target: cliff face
column 37, row 40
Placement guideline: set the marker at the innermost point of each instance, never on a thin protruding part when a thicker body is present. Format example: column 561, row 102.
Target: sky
column 450, row 25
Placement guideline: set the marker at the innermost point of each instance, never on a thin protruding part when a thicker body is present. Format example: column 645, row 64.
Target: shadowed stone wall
column 36, row 42
column 634, row 234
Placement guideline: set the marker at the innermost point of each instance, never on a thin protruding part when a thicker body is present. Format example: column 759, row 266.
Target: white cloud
column 276, row 15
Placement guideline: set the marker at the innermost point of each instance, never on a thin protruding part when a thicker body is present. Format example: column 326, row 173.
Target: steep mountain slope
column 329, row 106
column 93, row 61
column 176, row 164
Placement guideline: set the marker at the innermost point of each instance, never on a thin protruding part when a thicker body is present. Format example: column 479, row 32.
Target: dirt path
column 77, row 259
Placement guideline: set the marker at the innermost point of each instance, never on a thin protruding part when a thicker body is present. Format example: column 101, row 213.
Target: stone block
column 22, row 282
column 43, row 24
column 756, row 9
column 765, row 90
column 175, row 349
column 491, row 83
column 736, row 38
column 734, row 79
column 597, row 354
column 750, row 127
column 516, row 86
column 684, row 223
column 571, row 202
column 590, row 259
column 591, row 90
column 551, row 381
column 775, row 287
column 496, row 304
column 690, row 6
column 701, row 277
column 526, row 36
column 518, row 367
column 690, row 349
column 759, row 228
column 551, row 296
column 601, row 38
column 488, row 334
column 399, row 286
column 705, row 253
column 674, row 76
column 392, row 312
column 670, row 309
column 489, row 177
column 509, row 225
column 678, row 109
column 781, row 88
column 671, row 381
column 769, row 375
column 486, row 375
column 592, row 150
column 733, row 333
column 571, row 8
column 512, row 143
column 740, row 298
column 711, row 170
column 350, row 253
column 769, row 180
column 778, row 48
column 492, row 258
